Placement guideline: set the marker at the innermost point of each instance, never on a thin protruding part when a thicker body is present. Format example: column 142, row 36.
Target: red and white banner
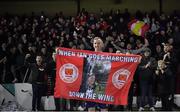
column 94, row 76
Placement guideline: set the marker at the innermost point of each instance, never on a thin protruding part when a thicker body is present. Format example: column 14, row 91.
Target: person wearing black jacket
column 146, row 79
column 164, row 78
column 38, row 79
column 171, row 60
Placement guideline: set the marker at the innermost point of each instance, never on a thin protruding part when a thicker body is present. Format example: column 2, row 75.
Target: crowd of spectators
column 41, row 34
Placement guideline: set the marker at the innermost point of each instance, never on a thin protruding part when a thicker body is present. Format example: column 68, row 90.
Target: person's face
column 102, row 31
column 111, row 50
column 97, row 25
column 38, row 59
column 146, row 53
column 43, row 50
column 74, row 47
column 91, row 18
column 122, row 44
column 89, row 31
column 91, row 80
column 121, row 20
column 54, row 56
column 114, row 34
column 51, row 43
column 158, row 48
column 81, row 46
column 118, row 52
column 131, row 40
column 3, row 45
column 170, row 41
column 34, row 49
column 129, row 46
column 13, row 50
column 30, row 48
column 161, row 64
column 70, row 44
column 128, row 53
column 162, row 32
column 166, row 48
column 93, row 26
column 122, row 36
column 19, row 46
column 98, row 45
column 110, row 17
column 138, row 42
column 176, row 28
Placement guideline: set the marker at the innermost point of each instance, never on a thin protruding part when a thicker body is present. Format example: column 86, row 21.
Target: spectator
column 158, row 53
column 39, row 80
column 3, row 59
column 164, row 89
column 146, row 79
column 20, row 57
column 10, row 76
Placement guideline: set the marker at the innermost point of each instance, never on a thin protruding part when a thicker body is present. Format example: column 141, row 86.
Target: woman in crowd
column 164, row 79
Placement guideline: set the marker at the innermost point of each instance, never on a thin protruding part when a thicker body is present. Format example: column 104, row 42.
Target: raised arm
column 26, row 61
column 137, row 51
column 86, row 44
column 117, row 47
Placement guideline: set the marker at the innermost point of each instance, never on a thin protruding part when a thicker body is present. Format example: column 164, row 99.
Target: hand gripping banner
column 94, row 76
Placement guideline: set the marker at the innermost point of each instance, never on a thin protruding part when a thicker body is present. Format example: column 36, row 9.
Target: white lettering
column 99, row 57
column 105, row 97
column 90, row 96
column 66, row 53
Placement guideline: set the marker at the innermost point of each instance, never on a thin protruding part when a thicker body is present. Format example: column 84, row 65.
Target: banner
column 94, row 76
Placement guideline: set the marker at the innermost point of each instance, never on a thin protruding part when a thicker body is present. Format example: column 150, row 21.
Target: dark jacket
column 164, row 82
column 38, row 74
column 146, row 75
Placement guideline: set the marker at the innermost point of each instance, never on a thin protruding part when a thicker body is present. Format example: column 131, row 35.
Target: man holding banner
column 98, row 47
column 111, row 73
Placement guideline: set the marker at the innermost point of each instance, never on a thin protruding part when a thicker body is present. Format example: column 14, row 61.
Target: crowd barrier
column 19, row 97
